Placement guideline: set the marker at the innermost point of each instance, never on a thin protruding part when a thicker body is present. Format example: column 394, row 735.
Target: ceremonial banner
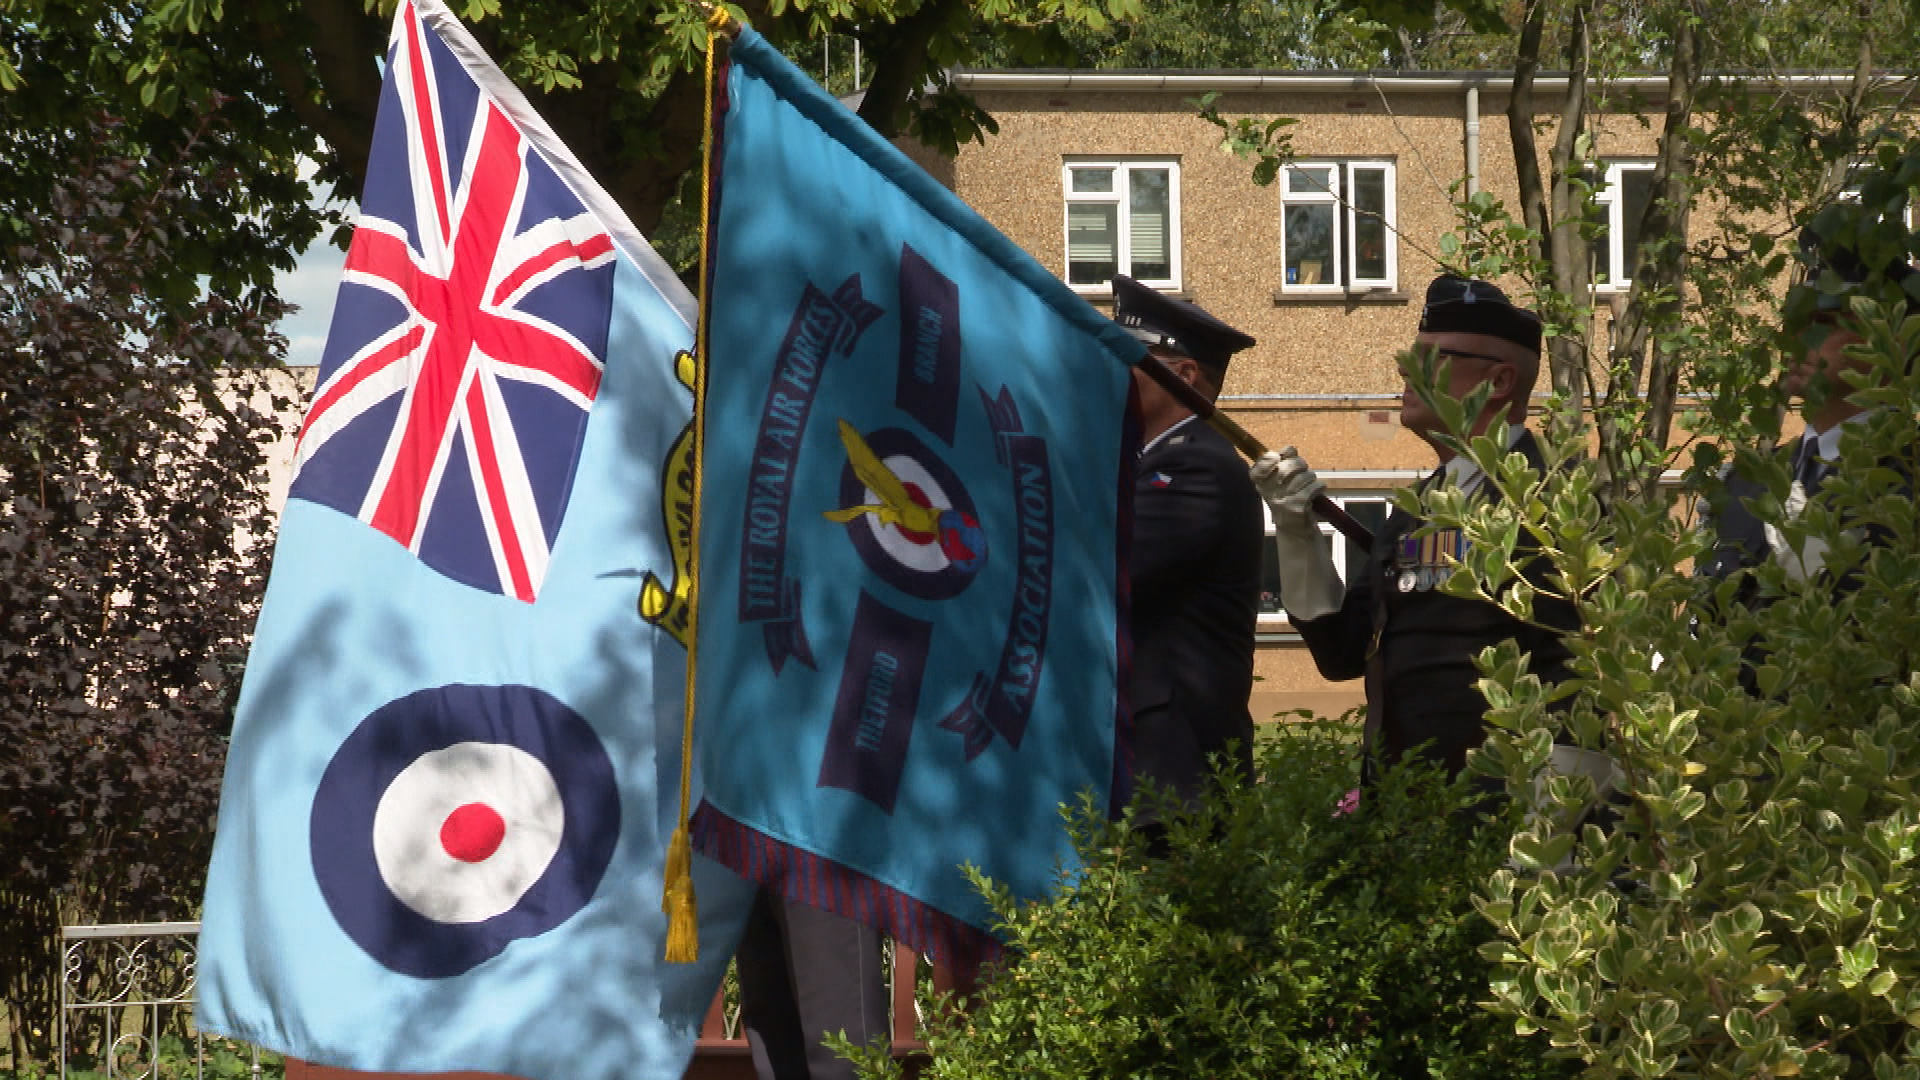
column 443, row 824
column 914, row 480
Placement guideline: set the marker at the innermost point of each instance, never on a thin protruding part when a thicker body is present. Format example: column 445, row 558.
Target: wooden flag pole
column 720, row 22
column 1244, row 441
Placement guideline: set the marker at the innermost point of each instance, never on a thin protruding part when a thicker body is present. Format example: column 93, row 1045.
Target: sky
column 311, row 284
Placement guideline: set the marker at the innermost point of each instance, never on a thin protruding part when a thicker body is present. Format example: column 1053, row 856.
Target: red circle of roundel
column 456, row 820
column 472, row 832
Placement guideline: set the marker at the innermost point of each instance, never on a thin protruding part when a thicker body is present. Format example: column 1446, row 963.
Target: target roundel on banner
column 932, row 566
column 458, row 819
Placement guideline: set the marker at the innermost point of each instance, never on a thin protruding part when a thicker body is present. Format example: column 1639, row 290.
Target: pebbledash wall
column 1327, row 267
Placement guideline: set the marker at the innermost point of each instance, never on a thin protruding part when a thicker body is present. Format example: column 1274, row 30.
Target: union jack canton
column 468, row 337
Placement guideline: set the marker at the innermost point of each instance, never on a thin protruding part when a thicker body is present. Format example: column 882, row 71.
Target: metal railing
column 125, row 988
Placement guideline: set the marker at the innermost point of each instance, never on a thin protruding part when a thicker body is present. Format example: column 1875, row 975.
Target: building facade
column 1095, row 173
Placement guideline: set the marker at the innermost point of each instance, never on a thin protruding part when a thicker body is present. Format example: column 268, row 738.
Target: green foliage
column 1277, row 938
column 89, row 79
column 1296, row 34
column 177, row 1058
column 1269, row 144
column 1235, row 34
column 1746, row 911
column 1810, row 35
column 133, row 520
column 299, row 79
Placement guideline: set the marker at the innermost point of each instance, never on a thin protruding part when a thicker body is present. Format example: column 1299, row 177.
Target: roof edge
column 1339, row 81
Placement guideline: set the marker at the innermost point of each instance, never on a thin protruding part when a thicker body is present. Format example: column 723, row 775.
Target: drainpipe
column 1473, row 139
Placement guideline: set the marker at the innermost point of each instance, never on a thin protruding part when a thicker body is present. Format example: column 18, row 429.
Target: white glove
column 1288, row 485
column 1309, row 585
column 1573, row 761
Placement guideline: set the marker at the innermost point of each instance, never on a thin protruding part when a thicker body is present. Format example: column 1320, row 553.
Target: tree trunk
column 342, row 38
column 1551, row 208
column 1569, row 257
column 1657, row 298
column 1853, row 115
column 1526, row 160
column 900, row 66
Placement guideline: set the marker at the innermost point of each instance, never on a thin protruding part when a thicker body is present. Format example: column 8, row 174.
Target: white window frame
column 1279, row 620
column 1607, row 200
column 1850, row 190
column 1119, row 196
column 1345, row 259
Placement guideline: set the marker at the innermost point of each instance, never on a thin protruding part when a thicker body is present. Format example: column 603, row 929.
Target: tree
column 1234, row 34
column 133, row 533
column 1743, row 909
column 1739, row 907
column 1777, row 153
column 1751, row 145
column 65, row 66
column 618, row 79
column 1288, row 35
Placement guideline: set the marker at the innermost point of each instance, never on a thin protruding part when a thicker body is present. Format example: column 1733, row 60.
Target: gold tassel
column 676, row 893
column 683, row 914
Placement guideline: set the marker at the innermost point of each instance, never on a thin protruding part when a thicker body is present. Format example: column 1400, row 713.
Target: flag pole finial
column 718, row 19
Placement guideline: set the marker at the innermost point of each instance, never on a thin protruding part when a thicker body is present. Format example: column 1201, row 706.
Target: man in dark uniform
column 1742, row 540
column 1415, row 644
column 1195, row 566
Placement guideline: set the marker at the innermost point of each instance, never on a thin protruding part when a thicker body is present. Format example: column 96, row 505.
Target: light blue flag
column 914, row 481
column 453, row 773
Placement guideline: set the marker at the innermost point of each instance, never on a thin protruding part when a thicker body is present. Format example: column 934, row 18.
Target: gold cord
column 683, row 913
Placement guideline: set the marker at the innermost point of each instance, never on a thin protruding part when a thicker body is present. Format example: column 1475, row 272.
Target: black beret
column 1175, row 324
column 1457, row 305
column 1821, row 255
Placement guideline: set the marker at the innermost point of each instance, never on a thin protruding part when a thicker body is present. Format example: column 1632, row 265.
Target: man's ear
column 1207, row 381
column 1504, row 379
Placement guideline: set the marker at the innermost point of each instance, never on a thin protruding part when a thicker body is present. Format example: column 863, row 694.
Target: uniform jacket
column 1740, row 538
column 1416, row 645
column 1741, row 545
column 1195, row 568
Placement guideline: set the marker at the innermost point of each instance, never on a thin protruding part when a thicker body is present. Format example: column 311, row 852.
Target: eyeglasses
column 1434, row 354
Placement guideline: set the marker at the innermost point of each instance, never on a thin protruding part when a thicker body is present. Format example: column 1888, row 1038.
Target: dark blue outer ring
column 340, row 830
column 950, row 580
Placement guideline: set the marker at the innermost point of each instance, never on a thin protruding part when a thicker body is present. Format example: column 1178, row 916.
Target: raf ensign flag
column 443, row 826
column 915, row 475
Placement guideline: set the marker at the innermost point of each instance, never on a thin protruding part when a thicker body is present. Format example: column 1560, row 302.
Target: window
column 1336, row 226
column 1620, row 201
column 1123, row 217
column 1370, row 508
column 1850, row 192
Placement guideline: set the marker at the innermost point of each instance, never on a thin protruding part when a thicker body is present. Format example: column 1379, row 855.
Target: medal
column 1408, row 579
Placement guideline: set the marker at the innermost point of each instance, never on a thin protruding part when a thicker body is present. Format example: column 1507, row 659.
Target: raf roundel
column 456, row 820
column 929, row 565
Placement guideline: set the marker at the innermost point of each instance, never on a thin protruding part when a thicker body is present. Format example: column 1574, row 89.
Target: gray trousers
column 804, row 973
